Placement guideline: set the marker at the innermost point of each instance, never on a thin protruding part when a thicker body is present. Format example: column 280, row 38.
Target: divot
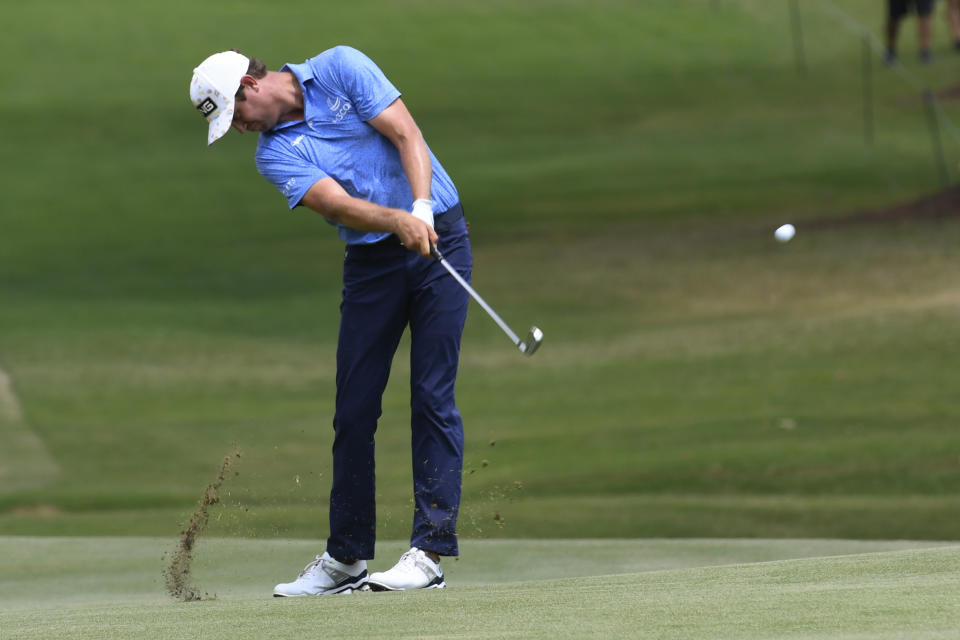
column 177, row 576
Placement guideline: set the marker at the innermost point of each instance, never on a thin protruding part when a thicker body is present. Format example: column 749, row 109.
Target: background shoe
column 325, row 576
column 414, row 571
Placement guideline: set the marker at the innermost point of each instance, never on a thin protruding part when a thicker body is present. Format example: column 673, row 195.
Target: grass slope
column 741, row 390
column 663, row 589
column 622, row 164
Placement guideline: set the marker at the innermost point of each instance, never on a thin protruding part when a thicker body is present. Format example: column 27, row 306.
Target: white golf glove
column 423, row 210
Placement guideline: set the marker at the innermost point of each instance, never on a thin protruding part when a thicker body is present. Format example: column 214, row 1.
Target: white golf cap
column 214, row 87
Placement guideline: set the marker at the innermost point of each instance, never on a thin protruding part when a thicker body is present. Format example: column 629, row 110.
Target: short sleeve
column 363, row 82
column 286, row 171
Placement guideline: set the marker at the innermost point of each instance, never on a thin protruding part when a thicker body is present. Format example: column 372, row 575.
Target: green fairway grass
column 97, row 588
column 623, row 165
column 781, row 391
column 25, row 462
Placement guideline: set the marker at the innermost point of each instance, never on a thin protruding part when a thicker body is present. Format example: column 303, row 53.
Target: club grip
column 435, row 252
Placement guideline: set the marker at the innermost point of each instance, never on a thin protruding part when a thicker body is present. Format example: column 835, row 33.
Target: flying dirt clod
column 176, row 577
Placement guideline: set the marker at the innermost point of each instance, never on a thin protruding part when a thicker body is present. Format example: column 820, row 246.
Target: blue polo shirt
column 342, row 90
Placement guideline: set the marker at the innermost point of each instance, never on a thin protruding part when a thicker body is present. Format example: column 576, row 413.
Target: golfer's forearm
column 329, row 199
column 415, row 159
column 355, row 213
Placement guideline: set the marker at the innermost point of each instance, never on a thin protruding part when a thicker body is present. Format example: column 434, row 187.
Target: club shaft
column 480, row 301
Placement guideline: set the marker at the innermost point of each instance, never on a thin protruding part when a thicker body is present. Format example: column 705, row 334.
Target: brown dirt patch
column 38, row 511
column 938, row 206
column 950, row 93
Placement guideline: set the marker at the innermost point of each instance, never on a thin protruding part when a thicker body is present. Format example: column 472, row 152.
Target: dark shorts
column 900, row 8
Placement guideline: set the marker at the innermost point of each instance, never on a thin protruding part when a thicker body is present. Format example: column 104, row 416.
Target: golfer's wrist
column 423, row 210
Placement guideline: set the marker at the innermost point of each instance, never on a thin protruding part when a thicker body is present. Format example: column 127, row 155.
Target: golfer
column 335, row 137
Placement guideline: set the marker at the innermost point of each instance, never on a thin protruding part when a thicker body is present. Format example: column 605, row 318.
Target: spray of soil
column 495, row 495
column 177, row 576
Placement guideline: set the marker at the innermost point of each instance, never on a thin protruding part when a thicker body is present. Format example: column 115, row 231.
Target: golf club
column 534, row 338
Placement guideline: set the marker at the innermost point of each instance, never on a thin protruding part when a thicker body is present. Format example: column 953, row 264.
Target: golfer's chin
column 257, row 127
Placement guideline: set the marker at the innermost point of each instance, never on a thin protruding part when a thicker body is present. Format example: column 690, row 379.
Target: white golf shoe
column 414, row 571
column 325, row 576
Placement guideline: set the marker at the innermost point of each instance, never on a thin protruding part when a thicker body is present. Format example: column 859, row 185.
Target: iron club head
column 532, row 343
column 534, row 338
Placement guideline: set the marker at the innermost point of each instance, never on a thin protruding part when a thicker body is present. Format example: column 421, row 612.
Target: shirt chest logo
column 339, row 107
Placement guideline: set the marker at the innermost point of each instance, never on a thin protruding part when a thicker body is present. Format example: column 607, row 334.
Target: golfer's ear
column 250, row 82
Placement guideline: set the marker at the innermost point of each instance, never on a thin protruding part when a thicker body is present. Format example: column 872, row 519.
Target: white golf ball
column 784, row 233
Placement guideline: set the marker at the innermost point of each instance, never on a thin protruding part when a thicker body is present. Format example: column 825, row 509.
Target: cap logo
column 207, row 107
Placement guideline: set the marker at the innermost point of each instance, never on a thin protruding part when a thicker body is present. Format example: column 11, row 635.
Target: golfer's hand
column 415, row 234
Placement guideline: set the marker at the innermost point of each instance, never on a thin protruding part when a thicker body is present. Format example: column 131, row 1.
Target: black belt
column 445, row 220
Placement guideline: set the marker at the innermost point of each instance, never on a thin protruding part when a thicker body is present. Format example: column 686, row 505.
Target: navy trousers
column 385, row 289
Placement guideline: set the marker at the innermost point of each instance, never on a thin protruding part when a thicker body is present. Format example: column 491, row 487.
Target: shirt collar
column 303, row 73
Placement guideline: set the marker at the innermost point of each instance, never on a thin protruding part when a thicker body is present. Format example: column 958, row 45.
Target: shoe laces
column 418, row 558
column 315, row 564
column 409, row 559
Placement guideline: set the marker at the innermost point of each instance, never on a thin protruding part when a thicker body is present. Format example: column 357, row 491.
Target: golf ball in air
column 784, row 233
